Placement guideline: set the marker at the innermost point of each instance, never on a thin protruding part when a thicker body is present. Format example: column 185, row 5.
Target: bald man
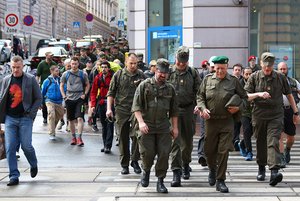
column 289, row 130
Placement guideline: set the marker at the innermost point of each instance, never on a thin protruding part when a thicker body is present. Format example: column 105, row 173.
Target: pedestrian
column 98, row 98
column 43, row 71
column 186, row 81
column 201, row 153
column 121, row 92
column 245, row 145
column 154, row 105
column 215, row 92
column 53, row 99
column 77, row 88
column 267, row 115
column 252, row 64
column 152, row 68
column 289, row 128
column 237, row 72
column 20, row 99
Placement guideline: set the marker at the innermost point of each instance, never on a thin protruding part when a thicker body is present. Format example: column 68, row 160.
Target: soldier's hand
column 205, row 114
column 233, row 109
column 196, row 110
column 143, row 127
column 264, row 95
column 174, row 133
column 109, row 113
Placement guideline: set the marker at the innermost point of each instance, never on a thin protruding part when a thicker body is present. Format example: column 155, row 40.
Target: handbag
column 2, row 145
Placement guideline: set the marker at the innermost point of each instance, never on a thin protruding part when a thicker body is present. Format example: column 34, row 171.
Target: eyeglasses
column 104, row 66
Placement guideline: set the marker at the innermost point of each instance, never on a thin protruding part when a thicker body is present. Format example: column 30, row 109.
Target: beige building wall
column 54, row 18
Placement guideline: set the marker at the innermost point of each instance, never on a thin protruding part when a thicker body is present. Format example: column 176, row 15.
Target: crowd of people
column 153, row 111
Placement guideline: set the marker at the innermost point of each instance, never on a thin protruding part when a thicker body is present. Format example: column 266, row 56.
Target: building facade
column 235, row 28
column 55, row 18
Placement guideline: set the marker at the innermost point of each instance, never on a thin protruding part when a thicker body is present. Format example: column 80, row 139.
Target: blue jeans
column 18, row 131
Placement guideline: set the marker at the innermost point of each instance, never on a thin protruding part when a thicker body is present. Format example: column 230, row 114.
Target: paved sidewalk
column 84, row 173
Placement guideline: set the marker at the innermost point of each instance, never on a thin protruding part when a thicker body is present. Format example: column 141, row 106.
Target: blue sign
column 76, row 24
column 165, row 34
column 121, row 23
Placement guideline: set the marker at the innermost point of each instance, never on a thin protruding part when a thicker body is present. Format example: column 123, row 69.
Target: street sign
column 11, row 22
column 76, row 25
column 28, row 20
column 89, row 25
column 12, row 5
column 121, row 23
column 89, row 17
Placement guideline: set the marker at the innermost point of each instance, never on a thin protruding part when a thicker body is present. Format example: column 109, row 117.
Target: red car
column 59, row 55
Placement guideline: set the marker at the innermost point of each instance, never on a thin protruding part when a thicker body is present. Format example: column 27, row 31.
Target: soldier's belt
column 220, row 116
column 185, row 105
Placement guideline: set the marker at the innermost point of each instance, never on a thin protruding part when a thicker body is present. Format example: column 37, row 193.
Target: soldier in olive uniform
column 153, row 105
column 215, row 92
column 186, row 81
column 267, row 115
column 121, row 92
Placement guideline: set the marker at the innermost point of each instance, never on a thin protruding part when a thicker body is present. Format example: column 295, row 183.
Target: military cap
column 182, row 54
column 139, row 54
column 163, row 65
column 268, row 59
column 210, row 62
column 234, row 101
column 251, row 57
column 220, row 60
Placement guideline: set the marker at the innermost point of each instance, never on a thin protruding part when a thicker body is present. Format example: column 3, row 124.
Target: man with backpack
column 53, row 99
column 77, row 88
column 121, row 94
column 99, row 104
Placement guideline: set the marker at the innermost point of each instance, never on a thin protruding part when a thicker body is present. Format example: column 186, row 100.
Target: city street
column 84, row 173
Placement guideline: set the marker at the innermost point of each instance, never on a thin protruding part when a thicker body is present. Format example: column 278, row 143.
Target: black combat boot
column 145, row 179
column 186, row 172
column 136, row 167
column 176, row 179
column 261, row 173
column 160, row 187
column 212, row 177
column 221, row 186
column 275, row 178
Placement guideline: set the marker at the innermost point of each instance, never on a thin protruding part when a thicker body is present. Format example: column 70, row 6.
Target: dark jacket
column 31, row 93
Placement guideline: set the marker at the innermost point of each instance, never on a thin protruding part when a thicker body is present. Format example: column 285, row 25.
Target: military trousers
column 182, row 146
column 201, row 140
column 267, row 134
column 124, row 129
column 218, row 143
column 151, row 145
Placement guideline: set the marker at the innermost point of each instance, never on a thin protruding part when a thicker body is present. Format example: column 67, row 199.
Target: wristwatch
column 296, row 113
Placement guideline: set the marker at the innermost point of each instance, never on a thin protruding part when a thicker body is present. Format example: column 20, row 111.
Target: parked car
column 63, row 43
column 5, row 50
column 85, row 43
column 44, row 42
column 59, row 55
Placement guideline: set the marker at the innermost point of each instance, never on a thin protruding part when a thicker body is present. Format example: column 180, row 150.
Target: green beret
column 220, row 60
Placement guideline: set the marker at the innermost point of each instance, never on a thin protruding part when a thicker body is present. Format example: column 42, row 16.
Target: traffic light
column 33, row 2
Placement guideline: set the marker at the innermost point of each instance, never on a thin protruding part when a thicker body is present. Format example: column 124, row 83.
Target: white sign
column 12, row 5
column 12, row 24
column 89, row 25
column 27, row 29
